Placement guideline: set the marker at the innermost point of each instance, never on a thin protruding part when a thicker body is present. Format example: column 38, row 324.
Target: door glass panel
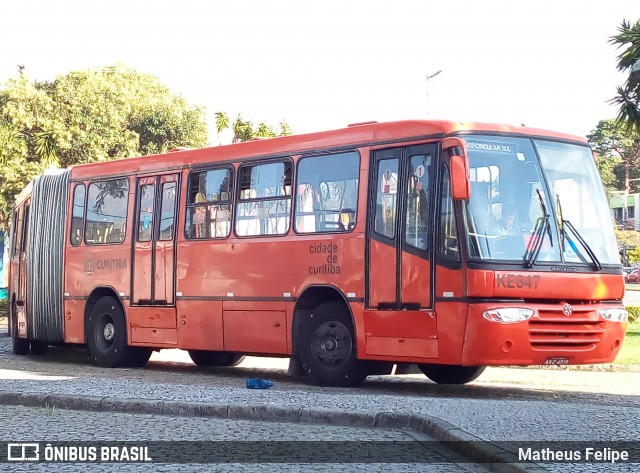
column 167, row 211
column 145, row 222
column 417, row 210
column 386, row 197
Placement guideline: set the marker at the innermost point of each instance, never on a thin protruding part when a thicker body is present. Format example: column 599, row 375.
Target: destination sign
column 491, row 146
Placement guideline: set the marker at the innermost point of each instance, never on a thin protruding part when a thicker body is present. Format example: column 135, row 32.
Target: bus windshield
column 536, row 201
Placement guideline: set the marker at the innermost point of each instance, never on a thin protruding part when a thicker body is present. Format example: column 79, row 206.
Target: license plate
column 557, row 361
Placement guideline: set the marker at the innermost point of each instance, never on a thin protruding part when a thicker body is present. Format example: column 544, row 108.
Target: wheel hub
column 332, row 344
column 108, row 332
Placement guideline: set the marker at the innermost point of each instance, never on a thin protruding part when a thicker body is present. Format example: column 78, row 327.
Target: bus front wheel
column 107, row 337
column 451, row 374
column 204, row 358
column 327, row 347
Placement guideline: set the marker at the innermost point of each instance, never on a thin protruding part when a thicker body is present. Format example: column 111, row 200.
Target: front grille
column 552, row 330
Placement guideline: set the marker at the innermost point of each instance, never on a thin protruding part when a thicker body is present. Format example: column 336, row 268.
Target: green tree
column 618, row 150
column 222, row 124
column 243, row 130
column 88, row 116
column 628, row 95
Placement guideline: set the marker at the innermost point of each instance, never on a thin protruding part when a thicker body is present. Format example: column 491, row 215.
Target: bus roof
column 354, row 135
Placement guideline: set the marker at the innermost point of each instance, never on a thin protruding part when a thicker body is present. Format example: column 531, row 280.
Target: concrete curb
column 474, row 448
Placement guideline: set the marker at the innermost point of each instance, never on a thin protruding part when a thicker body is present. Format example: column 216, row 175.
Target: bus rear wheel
column 451, row 374
column 327, row 347
column 19, row 345
column 107, row 336
column 205, row 358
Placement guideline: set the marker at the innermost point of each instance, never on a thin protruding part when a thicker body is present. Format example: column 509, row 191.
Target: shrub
column 3, row 305
column 634, row 313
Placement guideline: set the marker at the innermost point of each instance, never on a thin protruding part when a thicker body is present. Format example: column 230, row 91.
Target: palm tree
column 264, row 131
column 285, row 129
column 222, row 123
column 242, row 130
column 628, row 97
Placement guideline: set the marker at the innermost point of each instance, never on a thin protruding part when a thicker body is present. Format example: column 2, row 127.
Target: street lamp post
column 430, row 76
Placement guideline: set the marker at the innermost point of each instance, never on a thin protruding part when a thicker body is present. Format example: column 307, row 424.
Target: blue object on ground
column 257, row 383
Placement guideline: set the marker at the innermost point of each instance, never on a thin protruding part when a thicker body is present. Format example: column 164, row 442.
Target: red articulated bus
column 448, row 245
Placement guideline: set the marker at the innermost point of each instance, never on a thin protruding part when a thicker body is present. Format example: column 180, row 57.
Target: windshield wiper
column 585, row 245
column 542, row 225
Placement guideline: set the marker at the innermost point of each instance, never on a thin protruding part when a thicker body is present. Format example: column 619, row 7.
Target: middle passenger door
column 399, row 320
column 399, row 249
column 153, row 278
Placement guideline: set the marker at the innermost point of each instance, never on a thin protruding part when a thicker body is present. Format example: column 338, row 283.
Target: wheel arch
column 311, row 297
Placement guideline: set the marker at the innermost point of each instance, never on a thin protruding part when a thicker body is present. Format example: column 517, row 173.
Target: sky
column 320, row 65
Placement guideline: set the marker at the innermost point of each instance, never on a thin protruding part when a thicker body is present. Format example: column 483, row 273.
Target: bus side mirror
column 459, row 164
column 460, row 182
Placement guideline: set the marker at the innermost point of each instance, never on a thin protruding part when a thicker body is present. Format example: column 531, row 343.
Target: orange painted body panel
column 402, row 333
column 451, row 315
column 200, row 325
column 88, row 267
column 263, row 268
column 74, row 321
column 256, row 331
column 154, row 337
column 403, row 348
column 155, row 316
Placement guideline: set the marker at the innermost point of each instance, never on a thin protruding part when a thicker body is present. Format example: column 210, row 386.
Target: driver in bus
column 509, row 222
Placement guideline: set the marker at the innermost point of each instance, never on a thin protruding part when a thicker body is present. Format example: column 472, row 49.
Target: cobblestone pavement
column 487, row 410
column 51, row 425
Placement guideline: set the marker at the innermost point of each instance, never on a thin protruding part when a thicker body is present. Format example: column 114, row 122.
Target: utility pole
column 430, row 76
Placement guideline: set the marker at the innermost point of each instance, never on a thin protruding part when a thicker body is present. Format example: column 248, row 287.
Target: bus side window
column 209, row 204
column 327, row 193
column 107, row 211
column 449, row 246
column 264, row 199
column 77, row 220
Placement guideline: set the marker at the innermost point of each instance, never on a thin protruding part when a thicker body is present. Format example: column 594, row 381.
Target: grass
column 630, row 352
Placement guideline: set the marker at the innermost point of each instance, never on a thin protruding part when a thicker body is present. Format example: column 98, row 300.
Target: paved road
column 490, row 409
column 42, row 424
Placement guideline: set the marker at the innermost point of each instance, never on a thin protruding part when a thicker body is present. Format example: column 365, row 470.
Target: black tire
column 205, row 358
column 107, row 334
column 19, row 345
column 451, row 374
column 327, row 347
column 139, row 356
column 38, row 347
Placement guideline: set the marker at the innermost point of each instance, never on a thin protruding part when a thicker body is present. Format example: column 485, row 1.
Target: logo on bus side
column 327, row 257
column 91, row 265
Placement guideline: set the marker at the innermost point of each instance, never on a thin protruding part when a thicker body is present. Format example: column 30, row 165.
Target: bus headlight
column 508, row 315
column 614, row 315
